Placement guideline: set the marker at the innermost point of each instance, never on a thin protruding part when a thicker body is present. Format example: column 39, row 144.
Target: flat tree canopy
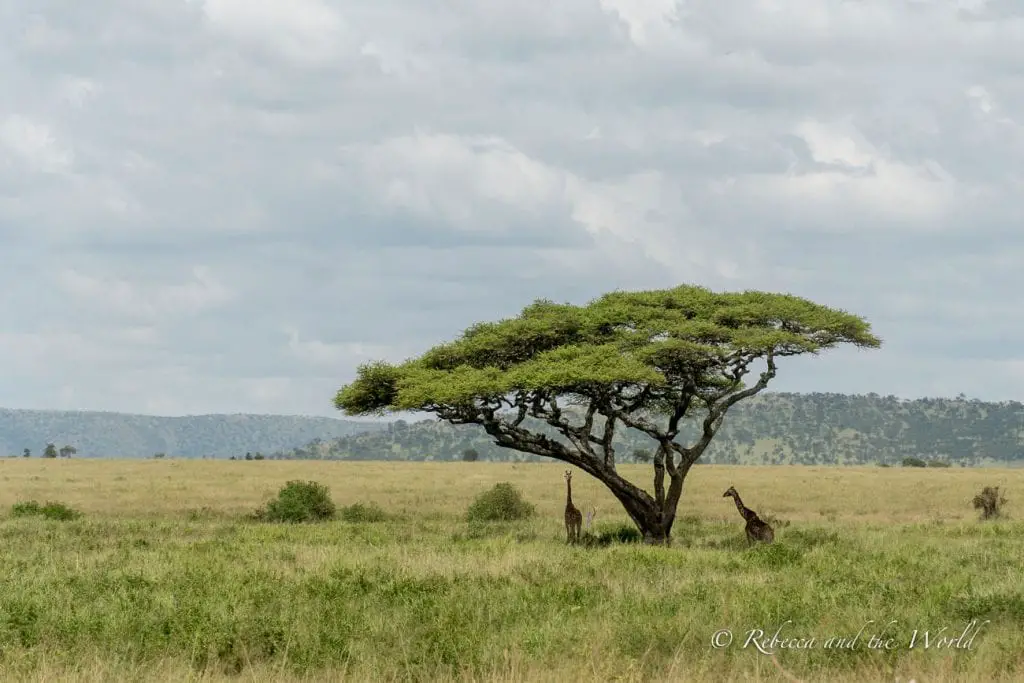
column 644, row 360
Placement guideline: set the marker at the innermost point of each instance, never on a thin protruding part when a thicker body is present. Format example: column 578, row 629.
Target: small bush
column 914, row 462
column 502, row 503
column 990, row 502
column 359, row 512
column 49, row 510
column 299, row 501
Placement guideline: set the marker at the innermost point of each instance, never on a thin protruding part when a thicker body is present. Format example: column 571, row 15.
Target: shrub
column 299, row 501
column 914, row 462
column 502, row 503
column 359, row 512
column 990, row 502
column 49, row 510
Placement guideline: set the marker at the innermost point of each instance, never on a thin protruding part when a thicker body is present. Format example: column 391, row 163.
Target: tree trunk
column 652, row 517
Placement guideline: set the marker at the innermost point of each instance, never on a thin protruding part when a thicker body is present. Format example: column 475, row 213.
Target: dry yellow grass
column 157, row 488
column 164, row 580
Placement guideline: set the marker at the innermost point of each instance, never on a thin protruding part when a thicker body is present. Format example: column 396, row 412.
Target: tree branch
column 659, row 477
column 637, row 423
column 718, row 408
column 606, row 442
column 521, row 408
column 581, row 436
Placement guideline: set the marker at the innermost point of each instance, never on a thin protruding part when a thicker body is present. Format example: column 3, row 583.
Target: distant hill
column 771, row 428
column 96, row 434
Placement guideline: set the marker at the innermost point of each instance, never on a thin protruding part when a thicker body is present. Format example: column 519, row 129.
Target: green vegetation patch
column 48, row 510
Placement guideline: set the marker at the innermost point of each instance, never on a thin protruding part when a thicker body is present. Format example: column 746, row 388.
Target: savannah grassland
column 164, row 578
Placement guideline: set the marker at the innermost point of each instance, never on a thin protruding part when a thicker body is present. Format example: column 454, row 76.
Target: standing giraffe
column 756, row 528
column 573, row 518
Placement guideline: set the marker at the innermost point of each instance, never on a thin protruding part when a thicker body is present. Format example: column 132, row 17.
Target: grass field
column 163, row 578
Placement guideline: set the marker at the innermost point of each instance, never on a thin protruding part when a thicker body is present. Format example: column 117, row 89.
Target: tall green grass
column 422, row 600
column 168, row 575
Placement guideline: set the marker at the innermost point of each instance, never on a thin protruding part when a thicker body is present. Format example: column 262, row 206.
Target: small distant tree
column 470, row 455
column 26, row 453
column 990, row 502
column 258, row 456
column 639, row 360
column 67, row 451
column 642, row 455
column 299, row 501
column 159, row 456
column 502, row 503
column 248, row 456
column 233, row 458
column 914, row 462
column 50, row 452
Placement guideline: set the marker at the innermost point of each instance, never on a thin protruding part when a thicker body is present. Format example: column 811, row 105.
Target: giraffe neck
column 744, row 510
column 568, row 493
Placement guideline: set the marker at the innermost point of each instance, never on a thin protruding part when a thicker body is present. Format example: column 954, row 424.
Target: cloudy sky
column 226, row 205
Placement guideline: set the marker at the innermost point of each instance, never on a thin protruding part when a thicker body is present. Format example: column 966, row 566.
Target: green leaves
column 373, row 392
column 421, row 386
column 574, row 367
column 658, row 338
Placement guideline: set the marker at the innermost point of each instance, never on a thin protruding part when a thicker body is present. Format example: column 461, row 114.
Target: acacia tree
column 641, row 360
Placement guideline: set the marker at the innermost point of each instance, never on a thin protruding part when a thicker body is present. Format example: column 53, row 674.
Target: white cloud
column 459, row 179
column 199, row 293
column 647, row 20
column 339, row 357
column 35, row 144
column 307, row 32
column 77, row 91
column 222, row 206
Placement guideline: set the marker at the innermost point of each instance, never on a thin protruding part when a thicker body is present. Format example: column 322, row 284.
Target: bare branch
column 606, row 442
column 581, row 437
column 717, row 410
column 638, row 423
column 588, row 422
column 659, row 477
column 521, row 408
column 670, row 457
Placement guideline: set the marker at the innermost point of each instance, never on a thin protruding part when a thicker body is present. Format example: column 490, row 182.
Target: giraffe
column 756, row 528
column 573, row 518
